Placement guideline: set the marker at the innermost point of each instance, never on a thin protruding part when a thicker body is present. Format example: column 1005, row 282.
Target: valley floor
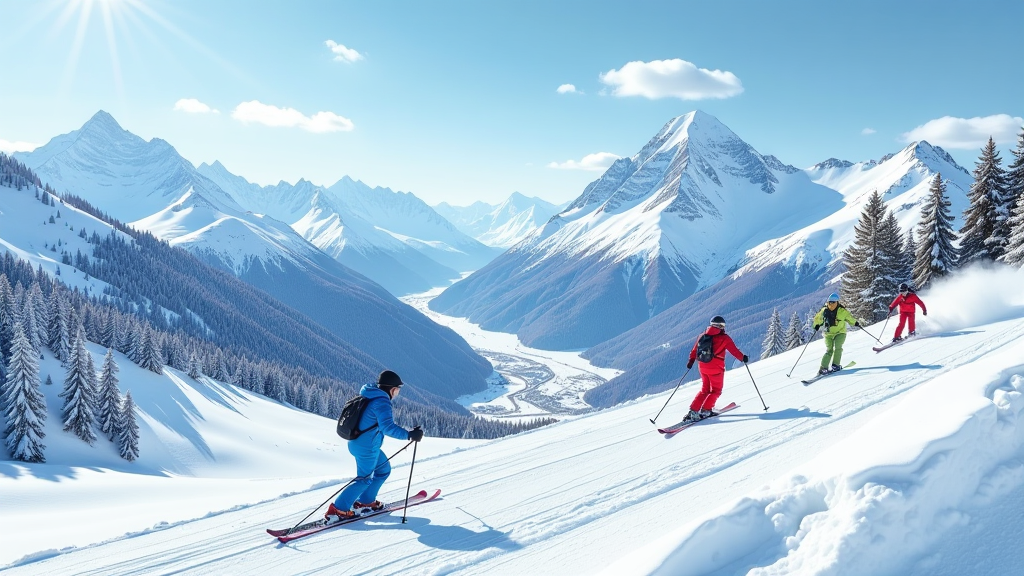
column 530, row 382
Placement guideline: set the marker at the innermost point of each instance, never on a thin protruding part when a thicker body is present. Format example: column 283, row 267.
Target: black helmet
column 904, row 287
column 718, row 322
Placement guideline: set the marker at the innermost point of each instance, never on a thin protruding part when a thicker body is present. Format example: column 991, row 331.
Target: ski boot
column 897, row 339
column 707, row 413
column 375, row 506
column 334, row 514
column 822, row 371
column 836, row 368
column 692, row 416
column 912, row 334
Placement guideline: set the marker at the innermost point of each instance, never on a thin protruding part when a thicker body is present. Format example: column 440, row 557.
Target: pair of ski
column 891, row 344
column 289, row 534
column 687, row 423
column 810, row 381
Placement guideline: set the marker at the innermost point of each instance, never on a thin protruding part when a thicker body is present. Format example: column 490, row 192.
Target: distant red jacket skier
column 712, row 373
column 906, row 301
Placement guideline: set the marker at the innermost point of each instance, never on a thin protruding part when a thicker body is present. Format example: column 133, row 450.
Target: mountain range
column 504, row 225
column 150, row 186
column 697, row 223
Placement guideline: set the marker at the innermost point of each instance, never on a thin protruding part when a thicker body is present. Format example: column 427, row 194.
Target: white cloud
column 260, row 113
column 671, row 79
column 967, row 133
column 598, row 161
column 17, row 146
column 566, row 89
column 343, row 53
column 193, row 106
column 868, row 131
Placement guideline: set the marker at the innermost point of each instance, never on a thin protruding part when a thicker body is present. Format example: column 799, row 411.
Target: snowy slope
column 204, row 446
column 676, row 217
column 909, row 463
column 504, row 225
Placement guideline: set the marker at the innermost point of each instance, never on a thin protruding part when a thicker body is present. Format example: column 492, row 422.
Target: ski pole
column 755, row 387
column 405, row 510
column 670, row 396
column 802, row 352
column 886, row 323
column 870, row 334
column 347, row 484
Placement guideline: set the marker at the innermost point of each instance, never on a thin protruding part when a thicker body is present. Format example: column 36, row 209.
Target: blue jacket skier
column 372, row 466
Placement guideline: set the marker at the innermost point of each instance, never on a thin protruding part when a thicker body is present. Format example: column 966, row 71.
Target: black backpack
column 705, row 348
column 348, row 422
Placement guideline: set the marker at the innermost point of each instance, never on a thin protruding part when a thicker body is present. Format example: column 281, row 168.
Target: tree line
column 882, row 256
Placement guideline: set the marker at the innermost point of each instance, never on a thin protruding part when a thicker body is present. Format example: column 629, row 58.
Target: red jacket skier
column 906, row 301
column 712, row 373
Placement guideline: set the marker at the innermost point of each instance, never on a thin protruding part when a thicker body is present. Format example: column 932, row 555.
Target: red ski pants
column 709, row 392
column 908, row 319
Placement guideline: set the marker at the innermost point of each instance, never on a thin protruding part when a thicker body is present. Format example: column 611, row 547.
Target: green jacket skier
column 834, row 317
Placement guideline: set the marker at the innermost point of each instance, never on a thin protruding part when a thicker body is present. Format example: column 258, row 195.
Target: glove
column 689, row 364
column 416, row 434
column 856, row 324
column 745, row 358
column 925, row 312
column 817, row 327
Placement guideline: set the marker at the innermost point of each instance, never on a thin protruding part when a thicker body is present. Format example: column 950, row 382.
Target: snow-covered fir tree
column 795, row 332
column 194, row 371
column 808, row 331
column 907, row 258
column 872, row 262
column 128, row 433
column 79, row 393
column 1014, row 254
column 984, row 234
column 6, row 319
column 58, row 330
column 28, row 322
column 149, row 348
column 108, row 410
column 35, row 294
column 24, row 406
column 774, row 339
column 936, row 254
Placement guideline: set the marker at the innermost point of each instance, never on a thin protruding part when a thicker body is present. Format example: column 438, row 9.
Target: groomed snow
column 908, row 463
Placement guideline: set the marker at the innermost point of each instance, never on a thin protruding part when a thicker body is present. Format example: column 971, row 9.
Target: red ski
column 687, row 423
column 289, row 534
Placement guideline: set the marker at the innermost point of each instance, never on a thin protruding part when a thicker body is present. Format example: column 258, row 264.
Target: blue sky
column 461, row 101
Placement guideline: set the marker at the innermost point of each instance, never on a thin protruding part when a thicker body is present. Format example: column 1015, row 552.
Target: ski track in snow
column 833, row 479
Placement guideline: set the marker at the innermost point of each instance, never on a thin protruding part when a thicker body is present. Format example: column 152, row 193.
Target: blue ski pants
column 372, row 469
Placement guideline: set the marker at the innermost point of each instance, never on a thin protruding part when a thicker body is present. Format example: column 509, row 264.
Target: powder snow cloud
column 598, row 161
column 343, row 53
column 257, row 112
column 967, row 133
column 193, row 106
column 671, row 79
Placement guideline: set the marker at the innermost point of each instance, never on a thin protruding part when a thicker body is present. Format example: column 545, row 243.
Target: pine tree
column 794, row 334
column 774, row 339
column 868, row 280
column 58, row 333
column 808, row 332
column 193, row 366
column 109, row 408
column 6, row 319
column 23, row 404
column 936, row 256
column 128, row 434
column 149, row 348
column 984, row 234
column 79, row 393
column 1014, row 254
